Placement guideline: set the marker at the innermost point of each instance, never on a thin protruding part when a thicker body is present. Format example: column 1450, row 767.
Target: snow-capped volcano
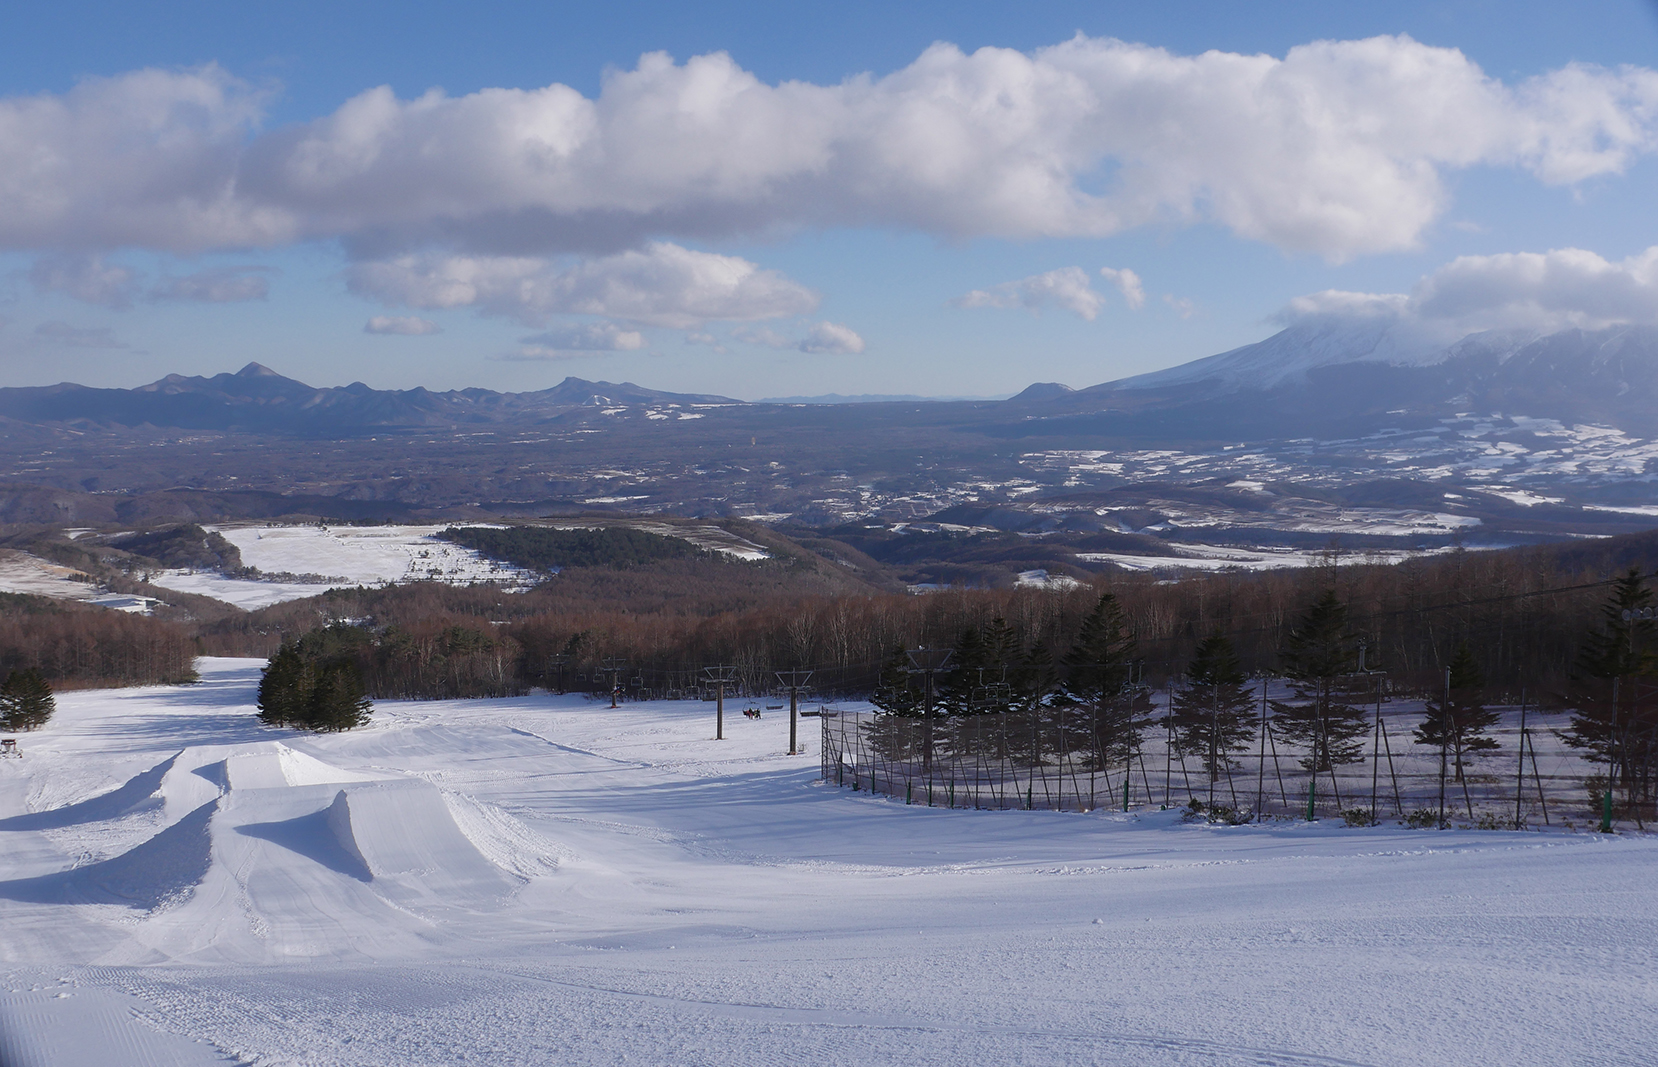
column 1287, row 356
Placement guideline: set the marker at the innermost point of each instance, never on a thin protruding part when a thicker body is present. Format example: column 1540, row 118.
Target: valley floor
column 549, row 881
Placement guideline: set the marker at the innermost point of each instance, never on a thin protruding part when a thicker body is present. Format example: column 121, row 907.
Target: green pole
column 1312, row 796
column 1606, row 808
column 1127, row 778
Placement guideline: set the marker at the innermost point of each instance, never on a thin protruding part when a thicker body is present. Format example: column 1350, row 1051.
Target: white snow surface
column 547, row 881
column 363, row 555
column 321, row 556
column 21, row 572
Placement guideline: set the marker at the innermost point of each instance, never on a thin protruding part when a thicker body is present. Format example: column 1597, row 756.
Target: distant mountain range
column 1387, row 439
column 1312, row 379
column 259, row 400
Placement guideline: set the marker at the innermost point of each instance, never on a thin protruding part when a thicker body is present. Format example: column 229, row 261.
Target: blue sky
column 832, row 208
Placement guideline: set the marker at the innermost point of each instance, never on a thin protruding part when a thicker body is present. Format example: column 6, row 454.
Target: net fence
column 1061, row 759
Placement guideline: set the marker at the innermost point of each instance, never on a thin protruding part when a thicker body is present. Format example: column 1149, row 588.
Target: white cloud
column 61, row 333
column 764, row 335
column 832, row 337
column 820, row 337
column 588, row 337
column 1563, row 287
column 219, row 285
column 1545, row 291
column 1128, row 283
column 85, row 277
column 663, row 285
column 148, row 159
column 1185, row 307
column 1338, row 147
column 401, row 325
column 1067, row 287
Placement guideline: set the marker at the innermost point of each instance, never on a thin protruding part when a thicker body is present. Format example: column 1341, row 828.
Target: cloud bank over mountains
column 661, row 285
column 537, row 203
column 1337, row 148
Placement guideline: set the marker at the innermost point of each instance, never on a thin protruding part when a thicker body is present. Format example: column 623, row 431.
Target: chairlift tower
column 614, row 666
column 555, row 665
column 795, row 681
column 927, row 662
column 721, row 677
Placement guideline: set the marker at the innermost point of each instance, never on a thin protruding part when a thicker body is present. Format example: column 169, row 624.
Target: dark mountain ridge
column 258, row 399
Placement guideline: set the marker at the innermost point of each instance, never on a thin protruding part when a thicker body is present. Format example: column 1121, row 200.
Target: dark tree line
column 78, row 646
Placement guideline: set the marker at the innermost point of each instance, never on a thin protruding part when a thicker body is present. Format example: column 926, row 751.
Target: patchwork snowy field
column 548, row 881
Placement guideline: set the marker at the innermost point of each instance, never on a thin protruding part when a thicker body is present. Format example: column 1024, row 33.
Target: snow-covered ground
column 1196, row 557
column 21, row 572
column 322, row 556
column 547, row 881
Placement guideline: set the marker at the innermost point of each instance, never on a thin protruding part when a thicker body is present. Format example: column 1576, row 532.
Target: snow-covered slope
column 1287, row 356
column 544, row 880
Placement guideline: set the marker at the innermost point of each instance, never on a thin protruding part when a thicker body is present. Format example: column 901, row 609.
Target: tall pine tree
column 1458, row 721
column 1212, row 713
column 897, row 692
column 1612, row 723
column 1319, row 658
column 1099, row 679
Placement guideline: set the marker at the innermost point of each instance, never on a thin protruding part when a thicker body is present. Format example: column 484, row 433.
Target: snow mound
column 402, row 832
column 164, row 868
column 273, row 765
column 269, row 851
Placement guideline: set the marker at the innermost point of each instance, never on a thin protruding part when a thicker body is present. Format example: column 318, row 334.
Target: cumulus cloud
column 832, row 337
column 588, row 337
column 61, row 333
column 85, row 277
column 1337, row 147
column 821, row 337
column 401, row 325
column 661, row 285
column 218, row 285
column 1067, row 287
column 1544, row 291
column 1563, row 287
column 1127, row 283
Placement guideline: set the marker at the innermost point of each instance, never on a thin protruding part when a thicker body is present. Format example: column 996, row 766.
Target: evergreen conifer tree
column 26, row 701
column 1319, row 659
column 337, row 700
column 1212, row 714
column 959, row 691
column 896, row 692
column 313, row 693
column 1099, row 677
column 1460, row 723
column 1611, row 721
column 285, row 688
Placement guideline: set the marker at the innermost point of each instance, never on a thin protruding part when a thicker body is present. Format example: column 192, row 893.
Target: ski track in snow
column 546, row 880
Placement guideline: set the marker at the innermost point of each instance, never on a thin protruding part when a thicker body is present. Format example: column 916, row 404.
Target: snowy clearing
column 323, row 556
column 1197, row 557
column 21, row 572
column 545, row 880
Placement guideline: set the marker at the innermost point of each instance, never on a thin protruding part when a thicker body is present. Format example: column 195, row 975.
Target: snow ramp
column 282, row 855
column 408, row 842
